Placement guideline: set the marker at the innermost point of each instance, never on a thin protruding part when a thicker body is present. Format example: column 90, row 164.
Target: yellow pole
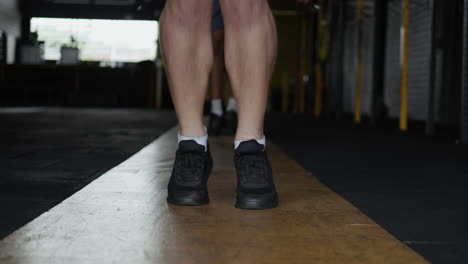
column 357, row 96
column 284, row 92
column 404, row 70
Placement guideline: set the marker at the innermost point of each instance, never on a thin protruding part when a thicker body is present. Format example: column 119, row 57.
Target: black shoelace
column 189, row 166
column 252, row 169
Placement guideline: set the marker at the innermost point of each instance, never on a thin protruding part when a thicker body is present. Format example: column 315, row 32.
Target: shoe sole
column 189, row 198
column 256, row 201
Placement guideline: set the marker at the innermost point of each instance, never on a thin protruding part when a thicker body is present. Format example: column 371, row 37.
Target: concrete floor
column 122, row 217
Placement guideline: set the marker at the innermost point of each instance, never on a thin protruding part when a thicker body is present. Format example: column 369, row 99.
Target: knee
column 188, row 11
column 245, row 11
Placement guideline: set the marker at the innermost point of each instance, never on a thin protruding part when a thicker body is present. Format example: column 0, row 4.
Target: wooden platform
column 123, row 217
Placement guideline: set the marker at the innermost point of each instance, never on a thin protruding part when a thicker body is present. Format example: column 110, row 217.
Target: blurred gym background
column 369, row 60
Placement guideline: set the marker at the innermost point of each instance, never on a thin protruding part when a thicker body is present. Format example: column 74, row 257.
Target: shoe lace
column 189, row 166
column 252, row 169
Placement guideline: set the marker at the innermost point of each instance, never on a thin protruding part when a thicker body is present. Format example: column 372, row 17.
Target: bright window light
column 98, row 39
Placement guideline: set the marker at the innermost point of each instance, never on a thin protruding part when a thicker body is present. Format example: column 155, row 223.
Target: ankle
column 217, row 107
column 261, row 141
column 248, row 135
column 232, row 105
column 192, row 130
column 201, row 140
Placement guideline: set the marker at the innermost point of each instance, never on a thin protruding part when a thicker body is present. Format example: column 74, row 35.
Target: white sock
column 261, row 141
column 217, row 107
column 203, row 140
column 232, row 105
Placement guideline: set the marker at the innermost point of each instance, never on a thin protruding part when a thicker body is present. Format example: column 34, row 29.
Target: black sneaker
column 230, row 121
column 192, row 167
column 215, row 124
column 255, row 186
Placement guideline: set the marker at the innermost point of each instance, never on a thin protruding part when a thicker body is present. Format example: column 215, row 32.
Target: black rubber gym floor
column 47, row 154
column 412, row 185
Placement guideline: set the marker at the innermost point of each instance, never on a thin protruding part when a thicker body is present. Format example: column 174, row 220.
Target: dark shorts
column 217, row 20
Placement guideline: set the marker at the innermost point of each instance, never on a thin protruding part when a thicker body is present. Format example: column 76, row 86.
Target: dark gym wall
column 448, row 39
column 368, row 48
column 82, row 85
column 464, row 95
column 350, row 55
column 10, row 20
column 286, row 60
column 92, row 9
column 334, row 77
column 419, row 58
column 434, row 34
column 392, row 71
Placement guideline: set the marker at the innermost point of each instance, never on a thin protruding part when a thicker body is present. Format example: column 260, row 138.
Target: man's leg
column 250, row 51
column 250, row 44
column 188, row 52
column 187, row 48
